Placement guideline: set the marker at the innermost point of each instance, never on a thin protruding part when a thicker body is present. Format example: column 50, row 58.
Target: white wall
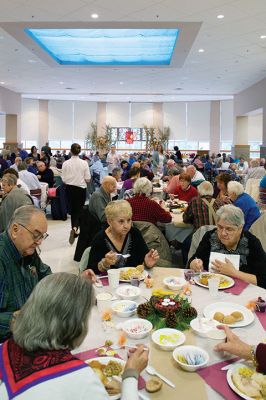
column 117, row 114
column 141, row 114
column 30, row 119
column 84, row 115
column 227, row 120
column 255, row 128
column 174, row 116
column 2, row 126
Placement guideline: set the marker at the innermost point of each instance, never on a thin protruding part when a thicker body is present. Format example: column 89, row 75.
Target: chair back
column 196, row 238
column 252, row 188
column 258, row 229
column 84, row 260
column 36, row 193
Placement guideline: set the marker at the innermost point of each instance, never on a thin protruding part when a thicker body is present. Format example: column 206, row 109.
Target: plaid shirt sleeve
column 5, row 317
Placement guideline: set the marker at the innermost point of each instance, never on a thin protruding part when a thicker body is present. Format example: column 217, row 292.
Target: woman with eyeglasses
column 229, row 238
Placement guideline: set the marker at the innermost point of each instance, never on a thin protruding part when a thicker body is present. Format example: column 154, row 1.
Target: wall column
column 43, row 123
column 241, row 147
column 11, row 131
column 101, row 118
column 215, row 127
column 263, row 146
column 158, row 116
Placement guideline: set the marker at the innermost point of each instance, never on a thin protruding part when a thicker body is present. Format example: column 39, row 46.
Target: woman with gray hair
column 245, row 202
column 37, row 362
column 145, row 209
column 229, row 238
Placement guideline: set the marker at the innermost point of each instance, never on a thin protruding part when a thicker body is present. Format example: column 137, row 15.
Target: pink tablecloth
column 216, row 379
column 92, row 353
column 262, row 318
column 238, row 287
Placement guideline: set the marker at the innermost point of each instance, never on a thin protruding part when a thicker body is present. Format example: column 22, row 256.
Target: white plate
column 228, row 278
column 228, row 308
column 142, row 277
column 105, row 360
column 230, row 382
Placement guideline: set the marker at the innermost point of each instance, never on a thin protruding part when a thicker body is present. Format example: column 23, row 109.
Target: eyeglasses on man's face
column 37, row 237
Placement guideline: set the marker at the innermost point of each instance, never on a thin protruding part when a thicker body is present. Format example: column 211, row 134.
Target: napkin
column 262, row 318
column 92, row 353
column 238, row 287
column 216, row 379
column 234, row 258
column 104, row 281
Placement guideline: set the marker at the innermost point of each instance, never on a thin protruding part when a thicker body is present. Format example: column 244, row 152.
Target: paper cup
column 103, row 301
column 113, row 278
column 213, row 284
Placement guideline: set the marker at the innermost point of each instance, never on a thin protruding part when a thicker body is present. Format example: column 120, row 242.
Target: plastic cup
column 213, row 284
column 113, row 278
column 103, row 301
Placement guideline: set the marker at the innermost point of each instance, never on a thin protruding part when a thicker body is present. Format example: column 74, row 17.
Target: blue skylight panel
column 107, row 46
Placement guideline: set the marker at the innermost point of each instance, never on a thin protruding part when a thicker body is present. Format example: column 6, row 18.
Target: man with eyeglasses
column 20, row 265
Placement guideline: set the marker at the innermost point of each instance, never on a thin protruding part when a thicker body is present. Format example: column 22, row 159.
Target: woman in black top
column 120, row 238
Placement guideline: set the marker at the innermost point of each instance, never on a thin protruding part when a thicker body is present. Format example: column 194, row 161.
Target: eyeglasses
column 227, row 230
column 37, row 237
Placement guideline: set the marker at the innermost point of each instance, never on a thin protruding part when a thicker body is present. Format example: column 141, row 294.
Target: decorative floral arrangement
column 171, row 311
column 156, row 136
column 129, row 136
column 101, row 143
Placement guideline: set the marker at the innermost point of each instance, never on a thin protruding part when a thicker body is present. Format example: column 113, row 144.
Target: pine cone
column 171, row 320
column 144, row 310
column 190, row 312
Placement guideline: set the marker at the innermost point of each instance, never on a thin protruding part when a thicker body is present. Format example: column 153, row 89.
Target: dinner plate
column 230, row 381
column 105, row 360
column 142, row 277
column 230, row 280
column 228, row 308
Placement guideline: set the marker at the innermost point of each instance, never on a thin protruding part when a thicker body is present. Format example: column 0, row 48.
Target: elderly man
column 101, row 198
column 18, row 160
column 255, row 171
column 14, row 198
column 245, row 202
column 45, row 174
column 28, row 178
column 196, row 176
column 76, row 175
column 169, row 165
column 20, row 265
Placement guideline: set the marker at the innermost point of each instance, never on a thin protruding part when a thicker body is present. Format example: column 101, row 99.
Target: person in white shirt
column 28, row 178
column 18, row 160
column 76, row 175
column 196, row 176
column 113, row 159
column 37, row 360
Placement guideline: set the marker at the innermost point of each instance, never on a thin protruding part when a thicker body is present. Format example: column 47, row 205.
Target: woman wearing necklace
column 110, row 246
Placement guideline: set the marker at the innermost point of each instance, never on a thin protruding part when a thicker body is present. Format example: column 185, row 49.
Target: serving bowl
column 168, row 339
column 206, row 327
column 137, row 328
column 124, row 308
column 174, row 283
column 128, row 292
column 195, row 356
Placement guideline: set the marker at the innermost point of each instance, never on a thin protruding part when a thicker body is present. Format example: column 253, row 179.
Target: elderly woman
column 120, row 238
column 37, row 363
column 201, row 209
column 145, row 209
column 244, row 201
column 229, row 238
column 173, row 180
column 184, row 190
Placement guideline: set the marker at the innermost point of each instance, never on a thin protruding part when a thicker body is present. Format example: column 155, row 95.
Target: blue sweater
column 249, row 208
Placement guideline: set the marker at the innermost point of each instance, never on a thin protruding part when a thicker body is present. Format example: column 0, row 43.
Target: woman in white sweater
column 36, row 363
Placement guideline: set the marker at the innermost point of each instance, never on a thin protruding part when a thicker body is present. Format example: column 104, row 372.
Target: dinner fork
column 123, row 255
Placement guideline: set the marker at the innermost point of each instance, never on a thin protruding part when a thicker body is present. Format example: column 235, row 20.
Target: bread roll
column 153, row 385
column 218, row 316
column 229, row 319
column 113, row 387
column 237, row 315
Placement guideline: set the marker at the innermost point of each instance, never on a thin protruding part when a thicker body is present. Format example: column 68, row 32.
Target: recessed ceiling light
column 121, row 83
column 201, row 50
column 2, row 83
column 263, row 36
column 61, row 83
column 94, row 16
column 32, row 61
column 220, row 16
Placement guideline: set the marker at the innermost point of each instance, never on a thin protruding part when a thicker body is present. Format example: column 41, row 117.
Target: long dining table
column 188, row 384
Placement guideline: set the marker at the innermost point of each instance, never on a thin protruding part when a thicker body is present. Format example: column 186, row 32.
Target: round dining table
column 188, row 385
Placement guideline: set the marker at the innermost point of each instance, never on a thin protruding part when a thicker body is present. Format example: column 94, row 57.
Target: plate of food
column 127, row 273
column 246, row 382
column 231, row 314
column 225, row 281
column 109, row 370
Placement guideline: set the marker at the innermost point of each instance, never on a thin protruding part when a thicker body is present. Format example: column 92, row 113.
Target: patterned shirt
column 197, row 212
column 145, row 209
column 18, row 276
